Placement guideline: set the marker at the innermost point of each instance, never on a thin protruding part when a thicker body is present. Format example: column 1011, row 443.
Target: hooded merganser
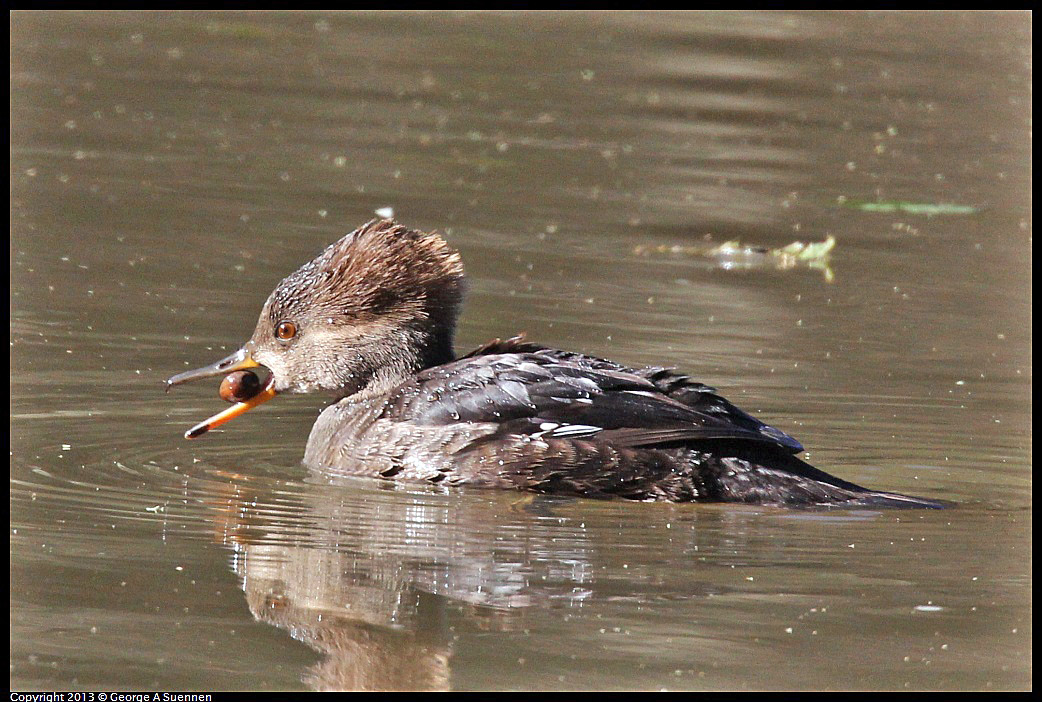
column 371, row 321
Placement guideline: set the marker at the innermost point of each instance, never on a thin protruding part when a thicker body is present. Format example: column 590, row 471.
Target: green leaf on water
column 732, row 255
column 917, row 208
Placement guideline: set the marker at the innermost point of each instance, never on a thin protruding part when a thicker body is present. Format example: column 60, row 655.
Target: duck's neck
column 386, row 366
column 439, row 351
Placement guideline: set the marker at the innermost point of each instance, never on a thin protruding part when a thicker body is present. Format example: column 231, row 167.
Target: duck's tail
column 893, row 500
column 756, row 475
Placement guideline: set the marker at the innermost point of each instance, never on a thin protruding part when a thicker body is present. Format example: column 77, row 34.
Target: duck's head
column 373, row 308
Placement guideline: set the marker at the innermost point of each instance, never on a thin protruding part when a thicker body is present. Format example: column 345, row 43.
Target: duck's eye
column 285, row 331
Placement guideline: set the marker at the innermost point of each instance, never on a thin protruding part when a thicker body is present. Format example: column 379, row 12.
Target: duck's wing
column 703, row 398
column 532, row 390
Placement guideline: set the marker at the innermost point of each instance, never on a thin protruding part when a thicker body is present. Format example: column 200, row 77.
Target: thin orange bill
column 234, row 411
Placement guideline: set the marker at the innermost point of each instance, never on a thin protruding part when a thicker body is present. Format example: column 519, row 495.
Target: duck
column 370, row 321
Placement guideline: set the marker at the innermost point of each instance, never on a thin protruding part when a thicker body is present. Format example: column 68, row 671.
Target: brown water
column 169, row 169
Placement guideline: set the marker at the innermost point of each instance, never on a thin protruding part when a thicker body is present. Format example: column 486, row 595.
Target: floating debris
column 918, row 208
column 733, row 254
